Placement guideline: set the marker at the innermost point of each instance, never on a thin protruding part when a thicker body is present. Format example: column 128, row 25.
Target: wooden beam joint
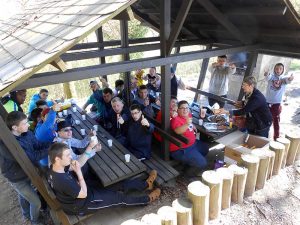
column 59, row 64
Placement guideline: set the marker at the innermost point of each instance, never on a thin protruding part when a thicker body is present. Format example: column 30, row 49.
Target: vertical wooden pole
column 151, row 219
column 168, row 215
column 183, row 208
column 239, row 182
column 165, row 26
column 100, row 39
column 278, row 148
column 295, row 143
column 227, row 177
column 286, row 142
column 251, row 162
column 262, row 169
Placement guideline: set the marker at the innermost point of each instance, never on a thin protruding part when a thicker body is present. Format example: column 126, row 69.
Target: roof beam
column 176, row 27
column 126, row 14
column 59, row 64
column 233, row 11
column 110, row 68
column 222, row 19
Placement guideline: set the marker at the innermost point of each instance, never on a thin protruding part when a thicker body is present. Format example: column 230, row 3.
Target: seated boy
column 77, row 198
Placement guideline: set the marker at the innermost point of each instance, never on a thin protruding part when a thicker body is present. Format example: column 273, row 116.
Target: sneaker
column 154, row 195
column 150, row 180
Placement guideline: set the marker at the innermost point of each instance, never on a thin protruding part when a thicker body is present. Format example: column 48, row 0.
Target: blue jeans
column 193, row 155
column 29, row 200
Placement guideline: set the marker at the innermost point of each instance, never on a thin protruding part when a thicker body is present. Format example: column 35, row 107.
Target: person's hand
column 189, row 120
column 92, row 133
column 120, row 119
column 98, row 147
column 92, row 144
column 215, row 64
column 291, row 77
column 146, row 102
column 174, row 113
column 232, row 65
column 102, row 80
column 238, row 104
column 266, row 73
column 144, row 121
column 56, row 107
column 223, row 111
column 157, row 102
column 75, row 166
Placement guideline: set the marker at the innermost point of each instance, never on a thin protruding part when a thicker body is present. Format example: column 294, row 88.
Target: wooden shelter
column 49, row 32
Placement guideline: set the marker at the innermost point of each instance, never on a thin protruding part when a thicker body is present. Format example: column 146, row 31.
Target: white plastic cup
column 74, row 109
column 95, row 128
column 94, row 139
column 127, row 157
column 60, row 114
column 82, row 131
column 109, row 142
column 65, row 112
column 200, row 122
column 77, row 122
column 83, row 117
column 203, row 112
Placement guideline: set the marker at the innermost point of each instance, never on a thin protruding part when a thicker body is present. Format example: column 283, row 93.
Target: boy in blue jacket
column 18, row 124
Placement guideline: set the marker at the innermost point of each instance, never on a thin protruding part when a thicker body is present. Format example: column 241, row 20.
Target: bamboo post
column 198, row 193
column 183, row 208
column 214, row 182
column 151, row 219
column 271, row 156
column 294, row 146
column 167, row 215
column 278, row 148
column 286, row 142
column 239, row 181
column 132, row 222
column 251, row 162
column 262, row 168
column 227, row 176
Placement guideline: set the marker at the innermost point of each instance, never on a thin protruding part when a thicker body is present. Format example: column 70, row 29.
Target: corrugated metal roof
column 46, row 30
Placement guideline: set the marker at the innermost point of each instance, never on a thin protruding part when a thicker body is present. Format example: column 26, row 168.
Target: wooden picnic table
column 108, row 164
column 210, row 135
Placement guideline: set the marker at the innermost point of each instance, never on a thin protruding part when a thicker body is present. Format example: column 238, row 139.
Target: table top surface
column 109, row 164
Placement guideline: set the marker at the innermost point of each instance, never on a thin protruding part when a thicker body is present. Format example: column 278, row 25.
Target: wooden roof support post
column 222, row 19
column 126, row 14
column 250, row 67
column 59, row 64
column 99, row 34
column 176, row 28
column 204, row 66
column 125, row 57
column 165, row 26
column 19, row 154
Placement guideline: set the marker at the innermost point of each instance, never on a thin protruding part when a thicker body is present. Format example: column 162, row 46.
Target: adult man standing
column 275, row 90
column 139, row 136
column 76, row 197
column 218, row 84
column 14, row 100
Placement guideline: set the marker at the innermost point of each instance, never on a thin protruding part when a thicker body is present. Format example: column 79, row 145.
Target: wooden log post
column 262, row 174
column 286, row 142
column 295, row 143
column 278, row 148
column 183, row 208
column 213, row 180
column 151, row 219
column 227, row 177
column 133, row 222
column 251, row 162
column 239, row 182
column 198, row 193
column 271, row 156
column 167, row 215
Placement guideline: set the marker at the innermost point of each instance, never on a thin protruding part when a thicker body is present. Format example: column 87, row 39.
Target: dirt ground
column 277, row 203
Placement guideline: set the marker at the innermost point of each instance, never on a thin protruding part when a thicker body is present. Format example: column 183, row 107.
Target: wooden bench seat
column 165, row 172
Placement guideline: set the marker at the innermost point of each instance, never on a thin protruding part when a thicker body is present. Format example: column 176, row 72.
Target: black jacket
column 10, row 168
column 257, row 111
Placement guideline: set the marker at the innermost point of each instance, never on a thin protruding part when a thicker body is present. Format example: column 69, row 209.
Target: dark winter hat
column 63, row 124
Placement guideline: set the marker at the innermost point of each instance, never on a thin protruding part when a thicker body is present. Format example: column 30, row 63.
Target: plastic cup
column 109, row 142
column 65, row 112
column 82, row 131
column 200, row 122
column 74, row 109
column 127, row 157
column 203, row 112
column 60, row 114
column 77, row 122
column 95, row 128
column 94, row 139
column 83, row 117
